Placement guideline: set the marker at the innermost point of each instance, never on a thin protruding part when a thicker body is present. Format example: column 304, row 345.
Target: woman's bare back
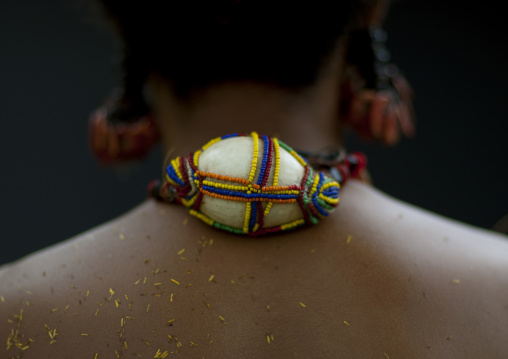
column 378, row 279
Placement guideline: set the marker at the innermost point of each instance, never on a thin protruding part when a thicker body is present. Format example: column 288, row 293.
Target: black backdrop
column 56, row 66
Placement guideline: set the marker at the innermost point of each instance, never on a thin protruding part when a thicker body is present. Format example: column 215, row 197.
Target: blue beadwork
column 315, row 195
column 227, row 192
column 230, row 135
column 266, row 144
column 253, row 213
column 172, row 174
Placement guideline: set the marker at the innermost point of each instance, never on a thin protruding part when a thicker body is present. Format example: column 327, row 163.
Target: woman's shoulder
column 442, row 283
column 413, row 237
column 81, row 295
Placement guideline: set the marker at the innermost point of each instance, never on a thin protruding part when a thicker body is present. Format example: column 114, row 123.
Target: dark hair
column 196, row 44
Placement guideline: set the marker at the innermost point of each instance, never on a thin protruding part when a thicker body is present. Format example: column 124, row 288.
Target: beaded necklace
column 253, row 185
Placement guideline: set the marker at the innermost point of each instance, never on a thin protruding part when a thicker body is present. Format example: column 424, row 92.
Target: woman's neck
column 305, row 120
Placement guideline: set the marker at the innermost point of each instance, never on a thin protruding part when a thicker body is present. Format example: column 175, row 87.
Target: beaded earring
column 377, row 100
column 120, row 131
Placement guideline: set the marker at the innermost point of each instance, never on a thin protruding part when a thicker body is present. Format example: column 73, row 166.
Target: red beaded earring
column 377, row 100
column 117, row 133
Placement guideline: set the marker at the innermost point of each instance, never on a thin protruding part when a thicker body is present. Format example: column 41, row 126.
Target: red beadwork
column 121, row 142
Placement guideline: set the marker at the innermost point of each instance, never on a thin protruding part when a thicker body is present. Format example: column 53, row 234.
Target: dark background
column 57, row 65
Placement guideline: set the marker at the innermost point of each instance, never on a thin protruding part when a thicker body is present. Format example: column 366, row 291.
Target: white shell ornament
column 249, row 184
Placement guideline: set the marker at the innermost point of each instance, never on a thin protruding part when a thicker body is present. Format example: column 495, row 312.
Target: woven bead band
column 315, row 194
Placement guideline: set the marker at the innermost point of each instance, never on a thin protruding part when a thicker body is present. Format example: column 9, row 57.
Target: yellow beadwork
column 225, row 186
column 293, row 224
column 196, row 157
column 171, row 181
column 253, row 168
column 298, row 158
column 242, row 199
column 330, row 184
column 202, row 217
column 248, row 209
column 211, row 142
column 190, row 202
column 222, row 178
column 276, row 150
column 314, row 185
column 250, row 188
column 328, row 199
column 176, row 166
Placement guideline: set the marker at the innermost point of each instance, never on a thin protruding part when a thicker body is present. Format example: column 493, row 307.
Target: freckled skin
column 377, row 279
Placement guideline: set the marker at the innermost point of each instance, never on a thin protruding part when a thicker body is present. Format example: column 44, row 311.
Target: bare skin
column 378, row 279
column 409, row 284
